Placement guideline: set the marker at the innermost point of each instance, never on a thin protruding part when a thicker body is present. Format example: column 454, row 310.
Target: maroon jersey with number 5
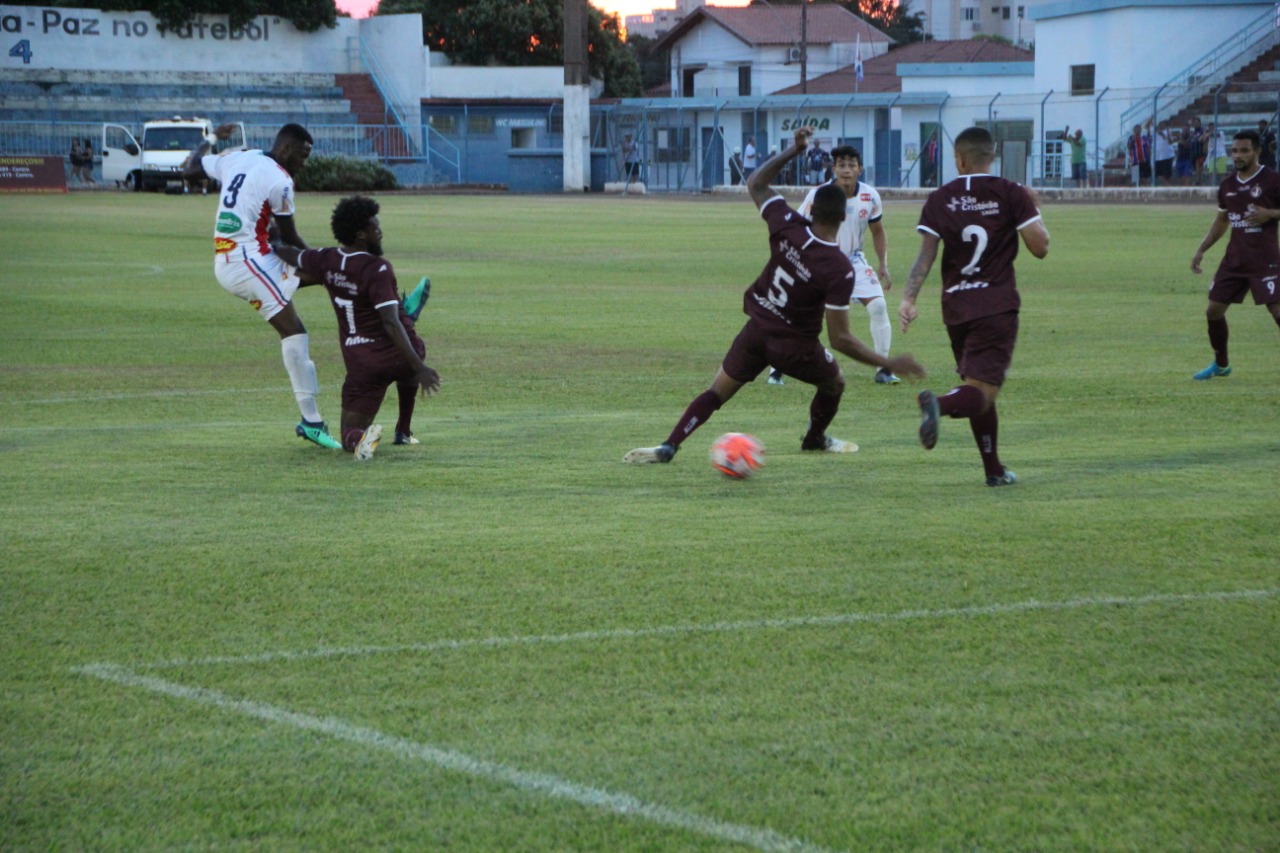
column 804, row 277
column 977, row 218
column 1252, row 249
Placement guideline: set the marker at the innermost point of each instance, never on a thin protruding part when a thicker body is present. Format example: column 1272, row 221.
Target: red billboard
column 32, row 175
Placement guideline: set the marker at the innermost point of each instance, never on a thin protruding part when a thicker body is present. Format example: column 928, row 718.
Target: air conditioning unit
column 793, row 54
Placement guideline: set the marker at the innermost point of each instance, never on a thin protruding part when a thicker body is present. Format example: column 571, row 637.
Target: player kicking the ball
column 806, row 281
column 379, row 343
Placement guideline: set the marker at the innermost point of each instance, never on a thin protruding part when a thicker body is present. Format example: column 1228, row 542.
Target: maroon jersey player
column 379, row 343
column 1248, row 207
column 978, row 219
column 807, row 281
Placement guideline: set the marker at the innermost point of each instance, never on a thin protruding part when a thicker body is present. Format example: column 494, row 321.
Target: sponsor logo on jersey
column 228, row 223
column 255, row 304
column 970, row 203
column 355, row 340
column 223, row 245
column 865, row 196
column 1255, row 191
column 968, row 285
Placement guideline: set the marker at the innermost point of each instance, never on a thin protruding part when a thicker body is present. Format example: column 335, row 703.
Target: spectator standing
column 1138, row 154
column 1079, row 171
column 1217, row 163
column 75, row 158
column 749, row 157
column 1164, row 152
column 631, row 158
column 1183, row 163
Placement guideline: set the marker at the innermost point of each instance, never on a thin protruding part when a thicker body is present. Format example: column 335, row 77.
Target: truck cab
column 156, row 161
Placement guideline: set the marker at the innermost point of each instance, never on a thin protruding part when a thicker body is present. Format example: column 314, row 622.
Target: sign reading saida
column 32, row 175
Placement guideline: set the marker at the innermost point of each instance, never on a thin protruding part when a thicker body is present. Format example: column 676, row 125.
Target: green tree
column 655, row 65
column 306, row 15
column 521, row 32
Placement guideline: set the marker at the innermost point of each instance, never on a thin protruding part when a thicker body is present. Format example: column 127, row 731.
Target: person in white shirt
column 257, row 197
column 749, row 157
column 863, row 213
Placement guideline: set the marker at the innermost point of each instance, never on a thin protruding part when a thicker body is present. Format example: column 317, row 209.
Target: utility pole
column 804, row 46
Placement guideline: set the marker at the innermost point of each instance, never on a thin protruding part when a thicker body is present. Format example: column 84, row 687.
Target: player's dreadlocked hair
column 828, row 205
column 351, row 216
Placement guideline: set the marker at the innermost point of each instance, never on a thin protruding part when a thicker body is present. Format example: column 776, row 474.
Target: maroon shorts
column 753, row 350
column 1229, row 289
column 984, row 347
column 369, row 374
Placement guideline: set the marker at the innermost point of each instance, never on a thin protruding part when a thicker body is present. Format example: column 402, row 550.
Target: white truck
column 156, row 162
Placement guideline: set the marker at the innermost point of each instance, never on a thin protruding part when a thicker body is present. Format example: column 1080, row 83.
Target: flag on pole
column 857, row 58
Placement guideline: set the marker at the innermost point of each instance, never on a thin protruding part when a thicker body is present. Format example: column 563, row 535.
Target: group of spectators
column 80, row 158
column 1193, row 154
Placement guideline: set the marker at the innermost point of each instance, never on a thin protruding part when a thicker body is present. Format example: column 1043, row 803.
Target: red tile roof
column 880, row 74
column 780, row 25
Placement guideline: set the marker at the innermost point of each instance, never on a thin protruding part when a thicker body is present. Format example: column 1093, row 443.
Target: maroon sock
column 1218, row 340
column 408, row 399
column 822, row 411
column 350, row 438
column 963, row 401
column 986, row 431
column 699, row 412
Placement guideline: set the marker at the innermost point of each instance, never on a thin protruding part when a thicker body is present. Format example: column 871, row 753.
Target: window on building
column 479, row 125
column 524, row 137
column 1006, row 13
column 1082, row 79
column 448, row 125
column 744, row 79
column 971, row 14
column 673, row 144
column 686, row 81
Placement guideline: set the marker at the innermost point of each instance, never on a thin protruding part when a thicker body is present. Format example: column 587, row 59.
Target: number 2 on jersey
column 978, row 235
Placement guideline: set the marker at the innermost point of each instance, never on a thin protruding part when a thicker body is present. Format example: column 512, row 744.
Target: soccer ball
column 737, row 455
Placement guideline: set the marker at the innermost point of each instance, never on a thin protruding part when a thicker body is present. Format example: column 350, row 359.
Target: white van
column 165, row 146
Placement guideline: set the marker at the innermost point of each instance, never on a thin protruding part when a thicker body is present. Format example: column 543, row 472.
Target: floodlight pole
column 577, row 98
column 804, row 47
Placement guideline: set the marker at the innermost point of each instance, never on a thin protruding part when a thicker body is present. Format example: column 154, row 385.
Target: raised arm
column 193, row 168
column 761, row 178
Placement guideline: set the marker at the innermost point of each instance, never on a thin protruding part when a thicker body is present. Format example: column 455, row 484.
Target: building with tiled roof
column 758, row 50
column 927, row 66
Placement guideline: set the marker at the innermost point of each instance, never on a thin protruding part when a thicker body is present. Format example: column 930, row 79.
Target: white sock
column 296, row 350
column 881, row 328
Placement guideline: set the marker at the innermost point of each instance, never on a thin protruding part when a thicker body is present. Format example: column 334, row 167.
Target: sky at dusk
column 361, row 8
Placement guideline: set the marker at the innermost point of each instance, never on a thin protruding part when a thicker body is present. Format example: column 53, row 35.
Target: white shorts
column 866, row 284
column 264, row 281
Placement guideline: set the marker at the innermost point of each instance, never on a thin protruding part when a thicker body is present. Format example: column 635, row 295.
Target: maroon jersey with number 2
column 804, row 277
column 977, row 218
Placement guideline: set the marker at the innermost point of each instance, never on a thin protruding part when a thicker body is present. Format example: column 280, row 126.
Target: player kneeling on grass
column 379, row 343
column 808, row 280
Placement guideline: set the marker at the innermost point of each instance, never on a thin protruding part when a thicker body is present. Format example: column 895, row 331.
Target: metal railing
column 391, row 98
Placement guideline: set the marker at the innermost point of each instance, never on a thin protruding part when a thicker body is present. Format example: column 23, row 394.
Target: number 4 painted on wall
column 23, row 49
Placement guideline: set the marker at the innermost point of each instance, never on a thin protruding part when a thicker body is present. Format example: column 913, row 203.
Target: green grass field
column 217, row 636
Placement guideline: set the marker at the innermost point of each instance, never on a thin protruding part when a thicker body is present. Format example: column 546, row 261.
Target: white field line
column 539, row 783
column 726, row 627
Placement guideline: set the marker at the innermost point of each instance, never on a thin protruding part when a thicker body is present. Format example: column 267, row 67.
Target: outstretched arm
column 758, row 183
column 843, row 341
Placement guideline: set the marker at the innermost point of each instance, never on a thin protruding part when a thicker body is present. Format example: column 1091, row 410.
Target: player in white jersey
column 863, row 212
column 256, row 195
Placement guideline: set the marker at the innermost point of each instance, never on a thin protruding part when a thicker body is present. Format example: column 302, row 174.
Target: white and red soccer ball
column 737, row 455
